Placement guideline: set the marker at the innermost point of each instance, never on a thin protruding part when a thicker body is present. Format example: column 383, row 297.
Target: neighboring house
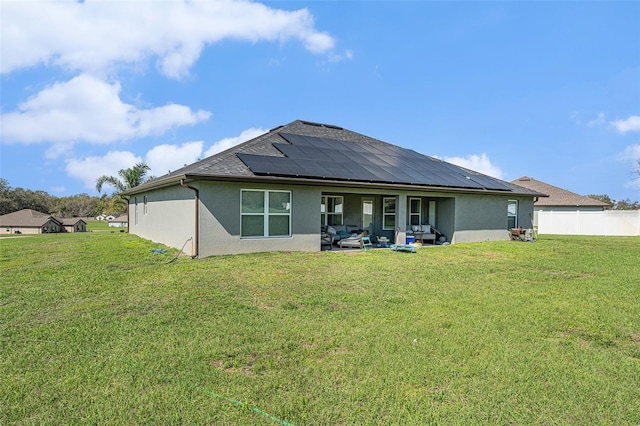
column 29, row 221
column 119, row 222
column 558, row 199
column 274, row 192
column 567, row 213
column 74, row 224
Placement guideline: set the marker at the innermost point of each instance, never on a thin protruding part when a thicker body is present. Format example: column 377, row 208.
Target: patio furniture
column 326, row 239
column 517, row 233
column 422, row 233
column 352, row 241
column 383, row 242
column 409, row 248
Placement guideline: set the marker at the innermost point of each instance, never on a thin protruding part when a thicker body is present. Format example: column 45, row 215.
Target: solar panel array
column 324, row 158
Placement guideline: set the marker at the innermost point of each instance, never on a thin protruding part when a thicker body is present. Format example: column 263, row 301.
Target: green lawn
column 100, row 225
column 96, row 329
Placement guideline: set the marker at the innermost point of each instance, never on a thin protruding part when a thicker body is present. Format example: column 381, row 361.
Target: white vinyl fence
column 608, row 222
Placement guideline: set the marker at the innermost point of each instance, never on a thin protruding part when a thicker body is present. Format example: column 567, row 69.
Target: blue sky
column 546, row 89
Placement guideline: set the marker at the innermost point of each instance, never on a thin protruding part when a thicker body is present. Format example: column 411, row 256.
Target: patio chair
column 352, row 241
column 326, row 240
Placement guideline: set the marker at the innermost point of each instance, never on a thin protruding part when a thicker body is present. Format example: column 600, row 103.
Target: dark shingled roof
column 557, row 197
column 374, row 162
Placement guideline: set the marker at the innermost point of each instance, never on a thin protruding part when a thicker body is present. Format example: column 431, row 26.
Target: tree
column 128, row 178
column 625, row 204
column 81, row 205
column 14, row 199
column 604, row 198
column 7, row 203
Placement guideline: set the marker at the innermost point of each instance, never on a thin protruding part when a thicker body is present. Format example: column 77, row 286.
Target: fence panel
column 608, row 222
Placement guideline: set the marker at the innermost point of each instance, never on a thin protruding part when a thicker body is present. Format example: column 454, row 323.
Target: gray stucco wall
column 169, row 218
column 484, row 217
column 220, row 220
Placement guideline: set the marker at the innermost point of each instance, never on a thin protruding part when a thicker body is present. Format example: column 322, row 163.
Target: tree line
column 625, row 204
column 81, row 205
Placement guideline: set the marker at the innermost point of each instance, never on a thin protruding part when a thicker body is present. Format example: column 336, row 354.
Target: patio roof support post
column 401, row 218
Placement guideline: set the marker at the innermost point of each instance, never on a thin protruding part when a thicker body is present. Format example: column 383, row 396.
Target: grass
column 95, row 328
column 100, row 226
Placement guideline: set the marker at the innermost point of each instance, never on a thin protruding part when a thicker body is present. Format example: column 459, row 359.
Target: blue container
column 410, row 239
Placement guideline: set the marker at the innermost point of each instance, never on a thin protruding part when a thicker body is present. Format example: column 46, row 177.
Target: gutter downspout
column 197, row 209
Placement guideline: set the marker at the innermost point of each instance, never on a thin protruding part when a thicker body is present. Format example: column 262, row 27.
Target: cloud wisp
column 479, row 163
column 93, row 36
column 630, row 124
column 227, row 143
column 90, row 110
column 161, row 158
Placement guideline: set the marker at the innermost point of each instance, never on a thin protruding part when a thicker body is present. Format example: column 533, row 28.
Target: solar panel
column 326, row 158
column 489, row 182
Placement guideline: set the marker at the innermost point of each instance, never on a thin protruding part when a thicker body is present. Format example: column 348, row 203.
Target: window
column 144, row 205
column 331, row 210
column 512, row 214
column 265, row 213
column 135, row 201
column 389, row 213
column 415, row 210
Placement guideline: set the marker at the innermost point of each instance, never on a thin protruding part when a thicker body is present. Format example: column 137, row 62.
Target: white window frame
column 513, row 214
column 325, row 213
column 417, row 214
column 266, row 214
column 386, row 213
column 144, row 205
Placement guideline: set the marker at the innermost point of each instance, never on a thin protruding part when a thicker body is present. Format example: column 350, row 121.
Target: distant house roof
column 26, row 218
column 71, row 221
column 315, row 153
column 558, row 197
column 123, row 218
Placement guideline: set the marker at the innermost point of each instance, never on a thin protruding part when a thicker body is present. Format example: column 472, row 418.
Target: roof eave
column 155, row 184
column 320, row 182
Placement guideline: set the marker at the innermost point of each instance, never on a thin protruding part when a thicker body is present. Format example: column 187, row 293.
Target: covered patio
column 396, row 218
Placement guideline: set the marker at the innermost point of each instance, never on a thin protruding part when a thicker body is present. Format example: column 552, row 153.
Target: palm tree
column 129, row 178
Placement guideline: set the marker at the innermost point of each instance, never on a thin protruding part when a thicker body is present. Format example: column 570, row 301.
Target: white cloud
column 630, row 153
column 164, row 158
column 335, row 57
column 479, row 163
column 227, row 143
column 161, row 159
column 89, row 109
column 93, row 36
column 91, row 168
column 575, row 116
column 599, row 120
column 633, row 184
column 631, row 124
